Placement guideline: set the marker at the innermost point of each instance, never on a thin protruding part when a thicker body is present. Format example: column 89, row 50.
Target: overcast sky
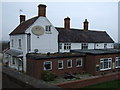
column 102, row 16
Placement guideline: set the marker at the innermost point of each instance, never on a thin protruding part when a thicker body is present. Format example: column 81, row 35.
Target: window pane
column 67, row 46
column 47, row 65
column 79, row 62
column 106, row 63
column 101, row 65
column 69, row 63
column 60, row 64
column 19, row 42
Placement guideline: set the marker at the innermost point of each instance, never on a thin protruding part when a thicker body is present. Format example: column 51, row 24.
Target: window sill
column 60, row 68
column 19, row 48
column 79, row 66
column 117, row 67
column 105, row 69
column 48, row 70
column 69, row 67
column 48, row 32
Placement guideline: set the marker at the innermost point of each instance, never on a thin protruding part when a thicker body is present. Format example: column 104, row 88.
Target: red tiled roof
column 23, row 26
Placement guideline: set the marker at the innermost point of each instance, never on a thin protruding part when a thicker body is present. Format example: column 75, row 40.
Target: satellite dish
column 38, row 30
column 35, row 50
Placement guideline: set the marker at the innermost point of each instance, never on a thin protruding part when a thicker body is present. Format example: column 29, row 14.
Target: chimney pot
column 22, row 18
column 86, row 24
column 67, row 23
column 42, row 10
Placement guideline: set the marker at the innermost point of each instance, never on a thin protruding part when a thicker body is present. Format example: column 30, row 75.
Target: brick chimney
column 67, row 23
column 22, row 18
column 42, row 10
column 86, row 24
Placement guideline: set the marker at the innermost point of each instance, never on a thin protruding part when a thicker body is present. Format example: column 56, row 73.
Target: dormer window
column 48, row 29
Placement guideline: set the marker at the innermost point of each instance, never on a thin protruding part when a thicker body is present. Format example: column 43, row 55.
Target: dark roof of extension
column 20, row 29
column 79, row 35
column 74, row 35
column 97, row 51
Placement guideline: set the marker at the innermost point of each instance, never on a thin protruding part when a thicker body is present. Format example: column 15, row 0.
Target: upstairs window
column 47, row 65
column 48, row 28
column 69, row 63
column 79, row 62
column 12, row 43
column 84, row 45
column 105, row 45
column 117, row 62
column 67, row 46
column 19, row 41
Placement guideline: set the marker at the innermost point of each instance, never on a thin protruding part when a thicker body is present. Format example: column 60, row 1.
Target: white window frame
column 48, row 29
column 83, row 45
column 81, row 60
column 71, row 63
column 50, row 65
column 60, row 61
column 117, row 60
column 109, row 65
column 67, row 45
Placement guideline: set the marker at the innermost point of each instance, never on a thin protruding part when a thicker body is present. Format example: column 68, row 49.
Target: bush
column 48, row 76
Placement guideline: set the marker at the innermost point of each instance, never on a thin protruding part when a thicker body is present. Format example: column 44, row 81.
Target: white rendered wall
column 75, row 46
column 110, row 45
column 23, row 48
column 15, row 39
column 46, row 42
column 99, row 46
column 91, row 45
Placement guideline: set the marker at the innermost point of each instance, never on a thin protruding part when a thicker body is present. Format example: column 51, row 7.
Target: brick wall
column 90, row 81
column 36, row 67
column 93, row 60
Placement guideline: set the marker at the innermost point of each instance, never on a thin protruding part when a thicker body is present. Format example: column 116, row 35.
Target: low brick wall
column 24, row 80
column 89, row 81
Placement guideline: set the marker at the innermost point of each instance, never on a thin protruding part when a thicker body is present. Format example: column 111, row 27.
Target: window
column 47, row 65
column 13, row 60
column 60, row 64
column 79, row 62
column 67, row 46
column 105, row 45
column 69, row 63
column 105, row 63
column 12, row 43
column 60, row 45
column 19, row 40
column 84, row 45
column 48, row 28
column 117, row 62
